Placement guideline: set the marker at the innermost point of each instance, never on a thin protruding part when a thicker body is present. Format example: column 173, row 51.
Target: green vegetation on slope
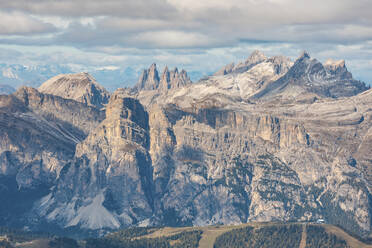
column 246, row 235
column 266, row 236
column 317, row 237
column 129, row 239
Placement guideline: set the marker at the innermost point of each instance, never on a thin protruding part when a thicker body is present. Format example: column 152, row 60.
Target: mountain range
column 16, row 75
column 268, row 139
column 13, row 76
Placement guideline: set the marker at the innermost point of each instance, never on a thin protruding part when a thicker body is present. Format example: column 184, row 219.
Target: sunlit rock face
column 277, row 141
column 108, row 184
column 271, row 140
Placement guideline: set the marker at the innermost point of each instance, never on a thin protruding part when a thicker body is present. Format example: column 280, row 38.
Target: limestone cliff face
column 259, row 145
column 210, row 158
column 39, row 133
column 110, row 175
column 80, row 87
column 77, row 114
column 32, row 149
column 252, row 166
column 263, row 160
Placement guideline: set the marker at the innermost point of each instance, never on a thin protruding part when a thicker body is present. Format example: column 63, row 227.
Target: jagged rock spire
column 165, row 79
column 256, row 57
column 149, row 79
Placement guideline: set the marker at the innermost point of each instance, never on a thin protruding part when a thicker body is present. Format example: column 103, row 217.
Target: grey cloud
column 8, row 55
column 21, row 24
column 173, row 24
column 79, row 35
column 118, row 50
column 78, row 8
column 193, row 32
column 30, row 41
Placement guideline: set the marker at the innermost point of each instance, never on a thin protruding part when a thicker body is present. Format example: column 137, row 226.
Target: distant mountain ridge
column 309, row 75
column 16, row 75
column 6, row 89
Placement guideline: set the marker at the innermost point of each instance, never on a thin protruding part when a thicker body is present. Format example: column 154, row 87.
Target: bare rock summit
column 81, row 87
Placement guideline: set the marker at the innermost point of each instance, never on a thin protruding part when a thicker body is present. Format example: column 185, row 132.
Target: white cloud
column 172, row 39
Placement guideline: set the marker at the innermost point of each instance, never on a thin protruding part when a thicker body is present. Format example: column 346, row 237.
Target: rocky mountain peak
column 165, row 79
column 81, row 87
column 178, row 79
column 153, row 73
column 256, row 57
column 225, row 70
column 152, row 67
column 334, row 64
column 304, row 55
column 281, row 64
column 305, row 65
column 149, row 80
column 337, row 68
column 308, row 75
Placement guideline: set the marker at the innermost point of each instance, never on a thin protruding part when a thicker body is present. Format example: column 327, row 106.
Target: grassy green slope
column 303, row 235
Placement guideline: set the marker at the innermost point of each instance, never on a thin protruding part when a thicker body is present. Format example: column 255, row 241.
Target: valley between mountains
column 267, row 139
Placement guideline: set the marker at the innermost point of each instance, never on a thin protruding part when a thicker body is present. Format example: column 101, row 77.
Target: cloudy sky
column 198, row 35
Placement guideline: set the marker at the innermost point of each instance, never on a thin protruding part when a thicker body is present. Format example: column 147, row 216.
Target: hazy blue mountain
column 17, row 75
column 6, row 89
